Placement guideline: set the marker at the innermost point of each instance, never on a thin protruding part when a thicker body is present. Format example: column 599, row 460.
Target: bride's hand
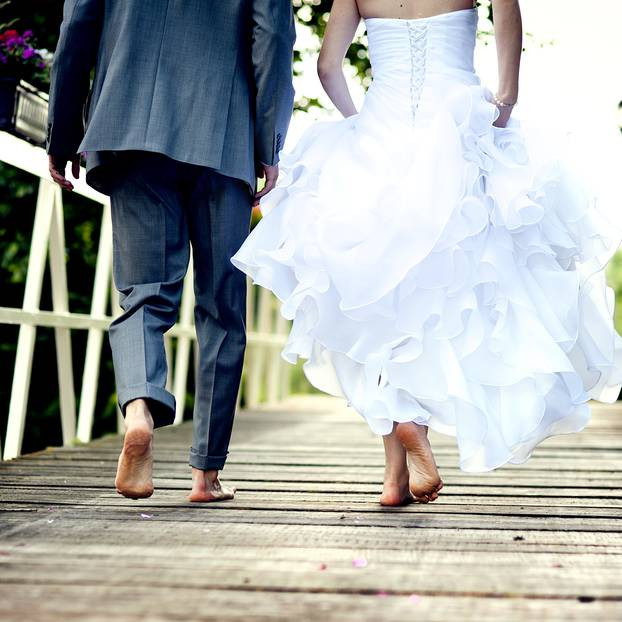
column 505, row 112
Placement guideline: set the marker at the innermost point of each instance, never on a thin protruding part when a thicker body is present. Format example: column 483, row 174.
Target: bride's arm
column 509, row 38
column 343, row 22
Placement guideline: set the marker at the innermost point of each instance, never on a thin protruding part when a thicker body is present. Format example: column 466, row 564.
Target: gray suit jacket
column 207, row 82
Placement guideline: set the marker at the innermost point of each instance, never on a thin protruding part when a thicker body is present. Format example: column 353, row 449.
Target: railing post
column 168, row 353
column 60, row 304
column 27, row 333
column 182, row 355
column 258, row 351
column 273, row 359
column 95, row 339
column 250, row 314
column 115, row 311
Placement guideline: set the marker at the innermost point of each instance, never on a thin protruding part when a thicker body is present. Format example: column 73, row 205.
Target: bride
column 439, row 273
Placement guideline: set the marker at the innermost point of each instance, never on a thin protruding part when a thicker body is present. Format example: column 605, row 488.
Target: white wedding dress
column 434, row 268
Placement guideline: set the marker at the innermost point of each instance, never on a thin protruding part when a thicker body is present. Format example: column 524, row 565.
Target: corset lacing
column 417, row 33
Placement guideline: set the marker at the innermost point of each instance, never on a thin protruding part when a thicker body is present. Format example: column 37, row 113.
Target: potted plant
column 24, row 72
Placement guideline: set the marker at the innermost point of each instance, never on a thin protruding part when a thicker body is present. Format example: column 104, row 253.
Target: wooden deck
column 305, row 538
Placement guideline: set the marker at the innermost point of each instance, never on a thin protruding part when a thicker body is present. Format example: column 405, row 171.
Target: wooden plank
column 276, row 491
column 304, row 474
column 301, row 502
column 509, row 492
column 55, row 602
column 429, row 518
column 23, row 531
column 212, row 551
column 338, row 577
column 571, row 462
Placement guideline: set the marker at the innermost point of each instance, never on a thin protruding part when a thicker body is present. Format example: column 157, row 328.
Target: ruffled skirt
column 444, row 274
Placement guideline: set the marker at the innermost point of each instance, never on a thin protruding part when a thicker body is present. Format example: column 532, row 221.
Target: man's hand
column 271, row 174
column 57, row 170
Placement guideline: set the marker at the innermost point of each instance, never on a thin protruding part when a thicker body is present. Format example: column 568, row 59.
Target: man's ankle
column 137, row 411
column 210, row 475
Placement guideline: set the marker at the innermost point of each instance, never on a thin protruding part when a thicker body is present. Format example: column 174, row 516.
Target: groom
column 190, row 101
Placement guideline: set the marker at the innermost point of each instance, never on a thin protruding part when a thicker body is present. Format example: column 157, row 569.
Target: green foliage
column 314, row 14
column 614, row 278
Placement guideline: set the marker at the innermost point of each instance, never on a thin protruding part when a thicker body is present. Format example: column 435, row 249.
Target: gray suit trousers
column 160, row 209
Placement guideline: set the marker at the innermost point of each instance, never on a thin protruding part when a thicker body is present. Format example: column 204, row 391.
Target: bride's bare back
column 410, row 9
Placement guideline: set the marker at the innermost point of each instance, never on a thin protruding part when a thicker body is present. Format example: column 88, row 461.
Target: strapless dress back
column 413, row 61
column 435, row 268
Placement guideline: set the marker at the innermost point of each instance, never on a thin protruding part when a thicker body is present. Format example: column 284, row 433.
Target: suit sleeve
column 74, row 59
column 272, row 50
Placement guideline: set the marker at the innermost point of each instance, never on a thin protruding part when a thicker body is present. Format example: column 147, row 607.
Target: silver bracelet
column 502, row 104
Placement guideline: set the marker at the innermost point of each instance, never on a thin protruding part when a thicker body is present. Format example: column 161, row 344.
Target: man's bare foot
column 424, row 480
column 395, row 490
column 135, row 468
column 206, row 487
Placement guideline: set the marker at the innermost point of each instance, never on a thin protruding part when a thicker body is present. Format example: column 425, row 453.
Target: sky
column 581, row 71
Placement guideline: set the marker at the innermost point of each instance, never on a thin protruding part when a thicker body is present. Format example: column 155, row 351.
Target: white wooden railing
column 266, row 375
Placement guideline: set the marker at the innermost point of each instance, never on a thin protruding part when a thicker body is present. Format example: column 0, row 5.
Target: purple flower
column 28, row 53
column 27, row 34
column 3, row 59
column 41, row 65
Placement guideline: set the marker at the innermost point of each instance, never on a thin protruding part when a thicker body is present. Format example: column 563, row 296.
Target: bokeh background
column 571, row 77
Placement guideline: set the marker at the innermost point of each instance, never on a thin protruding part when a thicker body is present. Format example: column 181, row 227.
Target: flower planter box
column 23, row 110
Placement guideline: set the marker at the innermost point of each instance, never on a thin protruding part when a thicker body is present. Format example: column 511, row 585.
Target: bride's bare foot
column 395, row 490
column 135, row 467
column 206, row 487
column 396, row 493
column 424, row 480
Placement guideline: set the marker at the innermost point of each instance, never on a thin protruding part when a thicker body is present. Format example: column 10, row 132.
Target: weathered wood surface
column 537, row 541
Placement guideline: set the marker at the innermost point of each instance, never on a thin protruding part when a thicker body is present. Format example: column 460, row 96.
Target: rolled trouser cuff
column 161, row 402
column 204, row 462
